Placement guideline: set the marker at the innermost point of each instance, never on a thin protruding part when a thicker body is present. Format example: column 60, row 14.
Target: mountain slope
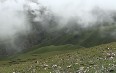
column 100, row 59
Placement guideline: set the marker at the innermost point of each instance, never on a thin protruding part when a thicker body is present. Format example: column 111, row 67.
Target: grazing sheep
column 108, row 48
column 45, row 65
column 54, row 66
column 110, row 55
column 69, row 66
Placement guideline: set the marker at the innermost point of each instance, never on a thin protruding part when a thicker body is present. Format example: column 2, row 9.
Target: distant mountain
column 47, row 32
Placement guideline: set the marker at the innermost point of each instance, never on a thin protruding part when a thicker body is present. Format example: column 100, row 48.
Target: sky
column 78, row 8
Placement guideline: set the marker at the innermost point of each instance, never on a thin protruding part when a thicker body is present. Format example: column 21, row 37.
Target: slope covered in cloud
column 14, row 22
column 13, row 18
column 25, row 23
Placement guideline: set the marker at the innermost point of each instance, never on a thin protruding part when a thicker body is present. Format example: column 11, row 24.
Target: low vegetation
column 58, row 59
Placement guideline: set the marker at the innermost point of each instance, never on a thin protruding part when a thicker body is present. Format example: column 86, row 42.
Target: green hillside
column 63, row 59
